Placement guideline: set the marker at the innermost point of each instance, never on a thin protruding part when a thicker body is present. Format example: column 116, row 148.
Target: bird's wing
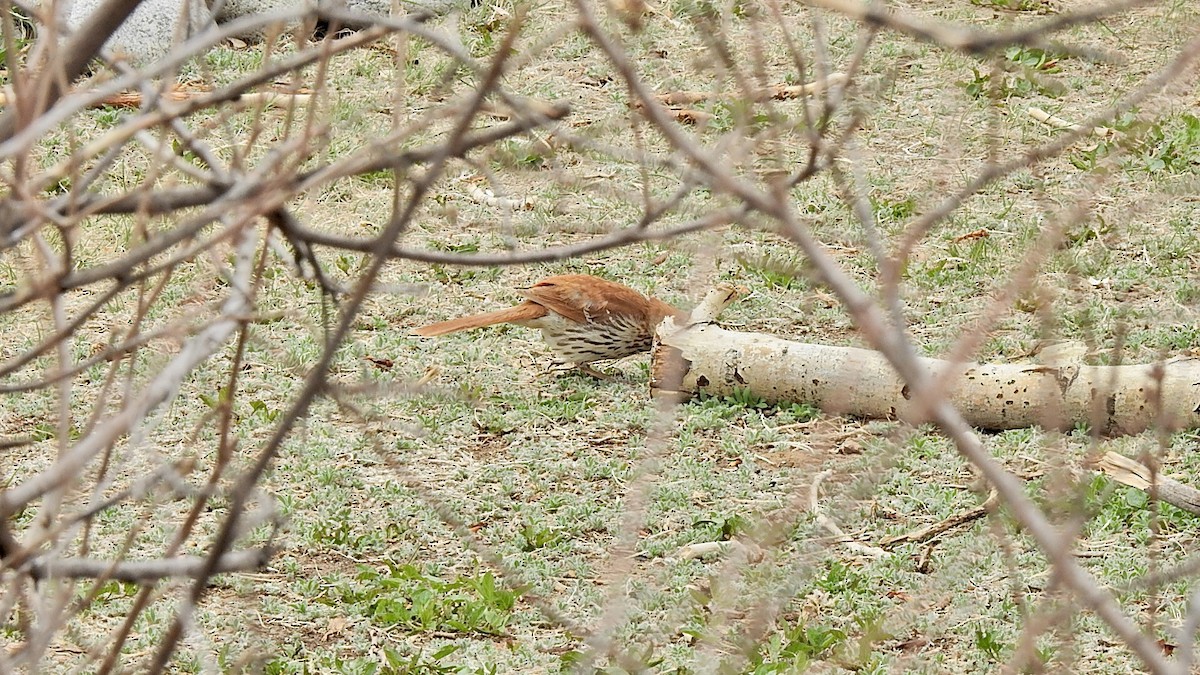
column 585, row 298
column 565, row 295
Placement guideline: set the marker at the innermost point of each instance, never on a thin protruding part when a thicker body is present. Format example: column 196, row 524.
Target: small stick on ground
column 707, row 548
column 832, row 527
column 134, row 99
column 778, row 92
column 1059, row 123
column 930, row 531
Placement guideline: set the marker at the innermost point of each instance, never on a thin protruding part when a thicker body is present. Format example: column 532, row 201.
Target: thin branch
column 161, row 389
column 147, row 571
column 73, row 103
column 71, row 60
column 314, row 382
column 970, row 40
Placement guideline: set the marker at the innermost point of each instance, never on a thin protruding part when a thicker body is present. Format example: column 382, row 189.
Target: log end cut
column 667, row 370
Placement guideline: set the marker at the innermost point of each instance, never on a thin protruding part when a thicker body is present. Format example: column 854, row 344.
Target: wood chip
column 1137, row 475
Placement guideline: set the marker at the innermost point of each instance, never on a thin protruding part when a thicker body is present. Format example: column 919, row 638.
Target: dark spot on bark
column 702, row 381
column 905, row 393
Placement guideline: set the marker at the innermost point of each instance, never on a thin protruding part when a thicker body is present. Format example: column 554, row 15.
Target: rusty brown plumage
column 582, row 318
column 526, row 311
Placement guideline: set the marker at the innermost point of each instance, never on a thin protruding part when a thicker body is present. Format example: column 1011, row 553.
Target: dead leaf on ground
column 675, row 98
column 380, row 363
column 689, row 116
column 981, row 233
column 913, row 644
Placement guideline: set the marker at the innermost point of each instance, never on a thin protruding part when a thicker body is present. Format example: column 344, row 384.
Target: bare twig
column 143, row 571
column 840, row 536
column 932, row 530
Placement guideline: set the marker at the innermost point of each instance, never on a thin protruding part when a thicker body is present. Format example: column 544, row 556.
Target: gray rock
column 233, row 9
column 384, row 7
column 236, row 9
column 150, row 30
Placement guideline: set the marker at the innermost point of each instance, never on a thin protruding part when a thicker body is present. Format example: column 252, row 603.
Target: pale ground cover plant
column 385, row 504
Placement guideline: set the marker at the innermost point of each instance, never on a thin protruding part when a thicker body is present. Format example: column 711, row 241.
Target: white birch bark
column 859, row 382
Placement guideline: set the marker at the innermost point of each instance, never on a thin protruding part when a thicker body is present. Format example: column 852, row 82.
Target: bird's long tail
column 525, row 311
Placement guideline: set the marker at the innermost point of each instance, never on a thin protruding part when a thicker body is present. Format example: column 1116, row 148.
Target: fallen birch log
column 705, row 358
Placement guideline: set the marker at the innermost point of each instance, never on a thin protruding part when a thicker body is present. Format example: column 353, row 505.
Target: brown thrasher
column 583, row 319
